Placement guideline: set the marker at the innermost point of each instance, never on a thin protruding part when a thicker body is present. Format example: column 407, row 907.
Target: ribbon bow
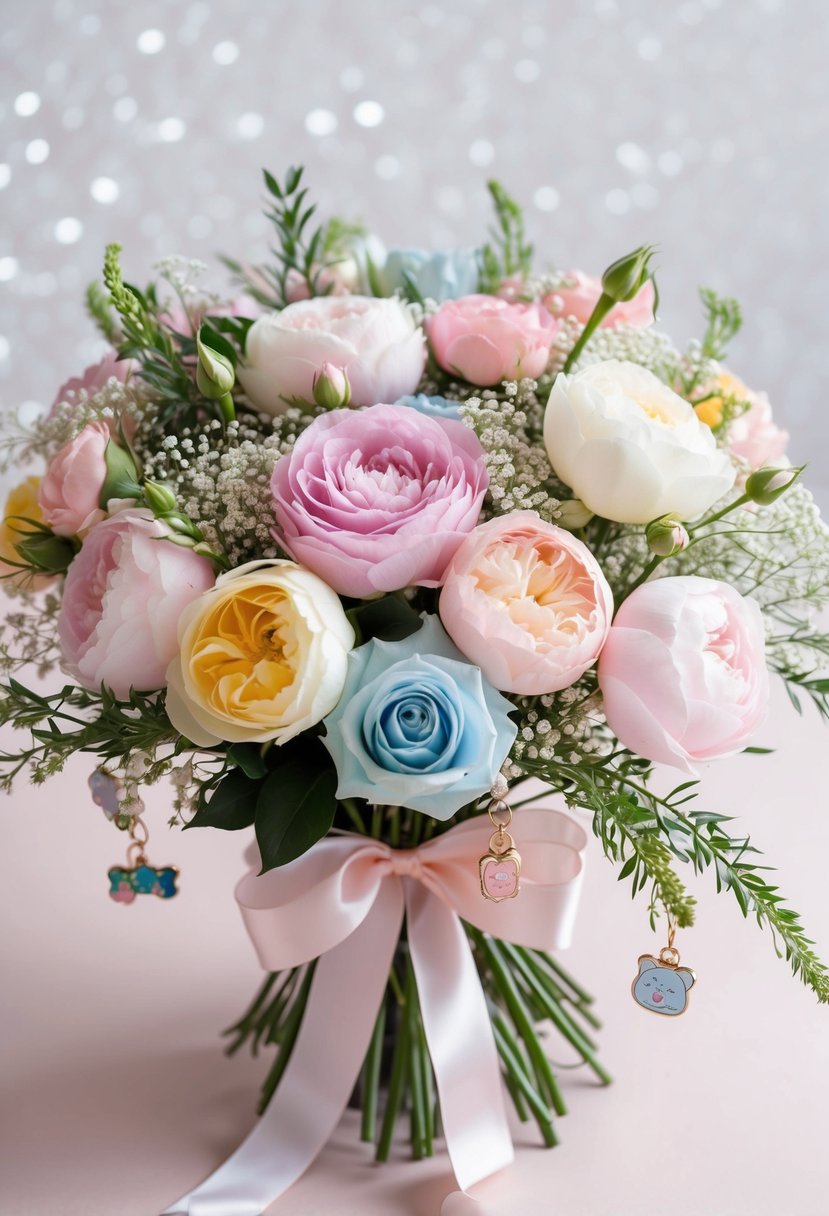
column 343, row 903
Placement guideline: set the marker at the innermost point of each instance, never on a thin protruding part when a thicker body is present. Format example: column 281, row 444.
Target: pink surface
column 116, row 1097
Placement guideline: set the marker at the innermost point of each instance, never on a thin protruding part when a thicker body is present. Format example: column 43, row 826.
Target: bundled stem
column 525, row 989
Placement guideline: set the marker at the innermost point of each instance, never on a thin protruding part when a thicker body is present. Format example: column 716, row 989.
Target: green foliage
column 100, row 310
column 723, row 320
column 644, row 831
column 391, row 619
column 77, row 720
column 296, row 803
column 40, row 551
column 232, row 805
column 508, row 252
column 300, row 248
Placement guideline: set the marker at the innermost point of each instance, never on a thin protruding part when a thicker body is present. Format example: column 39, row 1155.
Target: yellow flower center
column 245, row 651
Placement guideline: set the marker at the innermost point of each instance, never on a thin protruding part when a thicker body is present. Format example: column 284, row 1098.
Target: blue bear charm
column 661, row 985
column 125, row 882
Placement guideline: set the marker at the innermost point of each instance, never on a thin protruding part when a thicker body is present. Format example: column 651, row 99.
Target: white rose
column 262, row 655
column 376, row 343
column 630, row 448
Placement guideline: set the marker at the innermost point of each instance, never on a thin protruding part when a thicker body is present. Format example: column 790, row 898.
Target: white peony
column 375, row 342
column 630, row 448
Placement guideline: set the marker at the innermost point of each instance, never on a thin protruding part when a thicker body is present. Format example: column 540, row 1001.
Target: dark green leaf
column 249, row 758
column 391, row 619
column 232, row 806
column 296, row 806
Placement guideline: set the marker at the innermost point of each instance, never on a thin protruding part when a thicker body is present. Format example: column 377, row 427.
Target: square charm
column 500, row 875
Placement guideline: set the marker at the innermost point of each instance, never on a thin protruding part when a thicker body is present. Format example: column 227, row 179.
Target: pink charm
column 123, row 893
column 500, row 875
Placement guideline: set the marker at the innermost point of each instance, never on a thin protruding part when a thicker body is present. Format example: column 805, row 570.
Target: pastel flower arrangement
column 388, row 536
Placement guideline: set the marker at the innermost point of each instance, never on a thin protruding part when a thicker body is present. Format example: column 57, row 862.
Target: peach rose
column 527, row 602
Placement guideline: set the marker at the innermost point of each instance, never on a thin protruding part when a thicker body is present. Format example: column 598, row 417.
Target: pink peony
column 375, row 342
column 94, row 378
column 71, row 487
column 377, row 499
column 486, row 339
column 581, row 298
column 124, row 594
column 755, row 437
column 683, row 672
column 527, row 602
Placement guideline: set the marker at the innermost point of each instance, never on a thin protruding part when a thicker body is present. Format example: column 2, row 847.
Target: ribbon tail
column 349, row 985
column 459, row 1034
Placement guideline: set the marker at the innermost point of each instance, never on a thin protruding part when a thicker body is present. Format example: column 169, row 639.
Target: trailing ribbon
column 343, row 903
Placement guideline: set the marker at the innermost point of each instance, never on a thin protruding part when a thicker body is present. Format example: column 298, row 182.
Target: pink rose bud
column 124, row 594
column 666, row 536
column 331, row 388
column 683, row 672
column 765, row 486
column 486, row 339
column 527, row 602
column 70, row 491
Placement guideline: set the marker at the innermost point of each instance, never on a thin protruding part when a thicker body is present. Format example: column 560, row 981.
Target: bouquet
column 376, row 553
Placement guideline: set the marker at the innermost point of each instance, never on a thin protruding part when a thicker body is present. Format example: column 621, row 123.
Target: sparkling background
column 701, row 125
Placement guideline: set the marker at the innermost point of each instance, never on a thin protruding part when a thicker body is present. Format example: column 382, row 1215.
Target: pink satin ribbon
column 343, row 903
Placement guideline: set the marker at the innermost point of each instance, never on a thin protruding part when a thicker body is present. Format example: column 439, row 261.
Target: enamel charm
column 500, row 869
column 661, row 985
column 138, row 876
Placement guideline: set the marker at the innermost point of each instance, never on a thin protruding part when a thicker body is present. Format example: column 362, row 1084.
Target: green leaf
column 232, row 806
column 249, row 758
column 296, row 805
column 391, row 619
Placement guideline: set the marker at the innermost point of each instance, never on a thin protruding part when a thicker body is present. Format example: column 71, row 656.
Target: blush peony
column 375, row 342
column 70, row 491
column 683, row 672
column 123, row 596
column 486, row 339
column 527, row 602
column 374, row 500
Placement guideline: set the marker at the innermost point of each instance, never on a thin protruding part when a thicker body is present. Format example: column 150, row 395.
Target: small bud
column 573, row 514
column 181, row 526
column 214, row 375
column 765, row 486
column 159, row 497
column 331, row 388
column 625, row 278
column 666, row 536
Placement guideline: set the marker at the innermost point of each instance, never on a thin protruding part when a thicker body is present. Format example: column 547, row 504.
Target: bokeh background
column 699, row 124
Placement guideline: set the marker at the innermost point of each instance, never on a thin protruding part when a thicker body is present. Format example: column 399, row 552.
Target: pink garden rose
column 71, row 487
column 94, row 378
column 486, row 339
column 375, row 342
column 377, row 499
column 581, row 298
column 754, row 436
column 683, row 672
column 527, row 602
column 123, row 596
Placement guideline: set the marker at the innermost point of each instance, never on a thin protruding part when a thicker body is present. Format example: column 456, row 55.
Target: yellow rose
column 723, row 387
column 22, row 501
column 262, row 656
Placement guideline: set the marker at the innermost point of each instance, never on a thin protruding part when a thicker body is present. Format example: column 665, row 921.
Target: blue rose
column 436, row 276
column 417, row 725
column 432, row 407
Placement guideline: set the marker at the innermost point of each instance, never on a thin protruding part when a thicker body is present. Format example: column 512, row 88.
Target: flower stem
column 286, row 1035
column 511, row 1058
column 371, row 1078
column 602, row 308
column 395, row 1095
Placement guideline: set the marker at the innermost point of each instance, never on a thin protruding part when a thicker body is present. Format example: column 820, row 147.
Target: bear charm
column 661, row 985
